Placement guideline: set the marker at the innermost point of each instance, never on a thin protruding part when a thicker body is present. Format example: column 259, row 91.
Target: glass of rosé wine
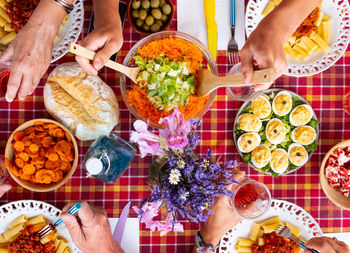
column 251, row 199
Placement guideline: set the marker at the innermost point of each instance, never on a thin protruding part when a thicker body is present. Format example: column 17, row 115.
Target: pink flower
column 148, row 142
column 176, row 129
column 151, row 210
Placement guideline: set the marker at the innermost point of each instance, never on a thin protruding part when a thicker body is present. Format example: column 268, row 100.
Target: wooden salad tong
column 88, row 54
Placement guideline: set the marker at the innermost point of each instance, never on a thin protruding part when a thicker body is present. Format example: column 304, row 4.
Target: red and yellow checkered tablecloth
column 323, row 91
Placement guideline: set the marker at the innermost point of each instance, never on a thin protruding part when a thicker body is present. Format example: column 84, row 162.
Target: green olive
column 156, row 13
column 160, row 23
column 164, row 18
column 139, row 22
column 162, row 2
column 135, row 14
column 154, row 3
column 149, row 20
column 155, row 27
column 146, row 28
column 136, row 4
column 143, row 14
column 166, row 9
column 145, row 4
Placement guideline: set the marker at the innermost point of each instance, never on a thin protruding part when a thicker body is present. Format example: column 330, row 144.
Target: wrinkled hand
column 4, row 188
column 264, row 47
column 92, row 233
column 327, row 245
column 223, row 219
column 30, row 53
column 106, row 39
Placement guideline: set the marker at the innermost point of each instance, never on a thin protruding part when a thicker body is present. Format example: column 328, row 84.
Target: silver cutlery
column 52, row 227
column 232, row 48
column 284, row 231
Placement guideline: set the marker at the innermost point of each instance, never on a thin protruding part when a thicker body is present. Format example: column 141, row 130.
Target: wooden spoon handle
column 88, row 54
column 264, row 76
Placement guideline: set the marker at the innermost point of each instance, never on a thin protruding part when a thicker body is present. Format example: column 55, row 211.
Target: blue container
column 108, row 157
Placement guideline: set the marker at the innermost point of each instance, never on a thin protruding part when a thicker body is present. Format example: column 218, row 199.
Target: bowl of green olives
column 150, row 16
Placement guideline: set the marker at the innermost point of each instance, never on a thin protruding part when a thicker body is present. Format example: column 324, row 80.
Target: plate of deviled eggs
column 277, row 132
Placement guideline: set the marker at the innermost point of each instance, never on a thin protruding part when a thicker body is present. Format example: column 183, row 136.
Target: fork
column 284, row 231
column 50, row 228
column 232, row 48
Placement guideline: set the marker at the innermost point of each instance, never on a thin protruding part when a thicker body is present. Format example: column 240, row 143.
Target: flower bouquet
column 186, row 183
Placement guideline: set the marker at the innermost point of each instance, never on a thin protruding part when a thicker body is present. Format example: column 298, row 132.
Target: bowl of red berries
column 335, row 175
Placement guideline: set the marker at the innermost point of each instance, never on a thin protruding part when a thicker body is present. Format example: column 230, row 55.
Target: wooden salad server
column 88, row 54
column 207, row 81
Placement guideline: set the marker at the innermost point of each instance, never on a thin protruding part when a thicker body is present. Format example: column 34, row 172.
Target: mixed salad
column 169, row 83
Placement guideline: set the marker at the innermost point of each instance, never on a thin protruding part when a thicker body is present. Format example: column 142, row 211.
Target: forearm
column 287, row 17
column 106, row 10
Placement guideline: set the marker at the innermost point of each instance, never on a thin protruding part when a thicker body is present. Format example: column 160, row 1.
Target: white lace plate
column 339, row 36
column 286, row 211
column 32, row 208
column 69, row 32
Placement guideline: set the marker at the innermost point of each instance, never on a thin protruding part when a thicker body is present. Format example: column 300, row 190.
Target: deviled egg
column 304, row 135
column 261, row 107
column 249, row 122
column 301, row 115
column 297, row 154
column 248, row 142
column 275, row 131
column 279, row 161
column 282, row 103
column 261, row 156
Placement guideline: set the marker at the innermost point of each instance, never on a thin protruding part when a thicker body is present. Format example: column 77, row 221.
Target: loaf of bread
column 82, row 102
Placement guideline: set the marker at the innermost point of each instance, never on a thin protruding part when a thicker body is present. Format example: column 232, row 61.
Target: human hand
column 31, row 50
column 264, row 47
column 106, row 38
column 327, row 245
column 223, row 219
column 92, row 232
column 4, row 188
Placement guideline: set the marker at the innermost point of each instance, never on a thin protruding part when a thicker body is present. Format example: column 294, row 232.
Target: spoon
column 88, row 54
column 207, row 81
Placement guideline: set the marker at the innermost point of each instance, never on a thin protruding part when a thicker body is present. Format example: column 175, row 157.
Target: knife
column 212, row 28
column 119, row 229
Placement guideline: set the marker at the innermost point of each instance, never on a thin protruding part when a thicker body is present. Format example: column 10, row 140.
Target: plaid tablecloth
column 323, row 91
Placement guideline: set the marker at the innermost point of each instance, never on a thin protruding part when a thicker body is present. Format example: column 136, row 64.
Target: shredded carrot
column 173, row 48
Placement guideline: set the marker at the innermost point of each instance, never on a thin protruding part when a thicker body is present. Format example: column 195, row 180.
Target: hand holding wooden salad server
column 88, row 54
column 207, row 81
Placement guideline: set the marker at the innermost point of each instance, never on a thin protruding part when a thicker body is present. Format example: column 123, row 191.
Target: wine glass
column 251, row 199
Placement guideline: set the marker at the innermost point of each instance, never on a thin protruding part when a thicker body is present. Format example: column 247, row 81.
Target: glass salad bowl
column 126, row 83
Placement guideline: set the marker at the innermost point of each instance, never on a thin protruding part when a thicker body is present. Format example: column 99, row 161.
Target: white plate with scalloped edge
column 339, row 36
column 287, row 211
column 32, row 208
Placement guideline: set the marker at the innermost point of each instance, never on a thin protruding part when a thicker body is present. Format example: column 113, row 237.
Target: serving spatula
column 88, row 54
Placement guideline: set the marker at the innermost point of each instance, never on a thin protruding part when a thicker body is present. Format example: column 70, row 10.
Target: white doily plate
column 339, row 37
column 32, row 208
column 286, row 211
column 69, row 32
